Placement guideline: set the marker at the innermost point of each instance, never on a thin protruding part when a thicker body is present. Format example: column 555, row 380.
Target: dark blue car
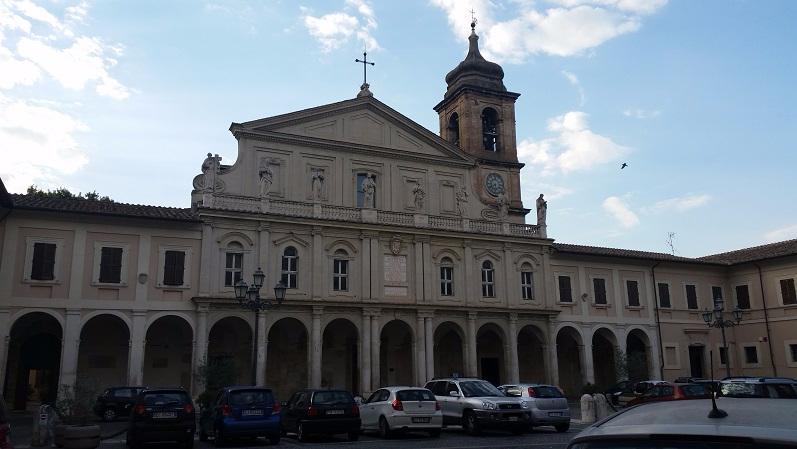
column 241, row 412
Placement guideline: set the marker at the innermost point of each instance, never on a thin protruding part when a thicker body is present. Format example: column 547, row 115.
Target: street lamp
column 248, row 297
column 716, row 318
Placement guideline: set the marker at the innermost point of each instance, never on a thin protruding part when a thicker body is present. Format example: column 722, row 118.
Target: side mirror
column 453, row 394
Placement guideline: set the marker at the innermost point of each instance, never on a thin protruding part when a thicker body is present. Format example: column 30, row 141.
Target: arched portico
column 339, row 358
column 604, row 347
column 168, row 352
column 104, row 351
column 286, row 362
column 230, row 340
column 396, row 354
column 490, row 354
column 569, row 355
column 531, row 354
column 449, row 350
column 637, row 355
column 34, row 361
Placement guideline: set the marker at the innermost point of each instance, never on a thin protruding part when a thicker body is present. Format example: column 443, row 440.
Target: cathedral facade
column 406, row 254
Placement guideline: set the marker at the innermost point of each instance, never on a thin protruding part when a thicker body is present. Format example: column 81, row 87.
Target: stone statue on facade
column 369, row 191
column 502, row 203
column 210, row 168
column 318, row 184
column 266, row 177
column 542, row 210
column 461, row 198
column 418, row 195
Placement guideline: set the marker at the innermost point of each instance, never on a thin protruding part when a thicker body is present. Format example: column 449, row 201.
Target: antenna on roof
column 715, row 412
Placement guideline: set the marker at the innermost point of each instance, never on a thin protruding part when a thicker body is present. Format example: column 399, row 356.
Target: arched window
column 233, row 264
column 446, row 277
column 290, row 267
column 526, row 282
column 453, row 129
column 488, row 279
column 340, row 271
column 490, row 129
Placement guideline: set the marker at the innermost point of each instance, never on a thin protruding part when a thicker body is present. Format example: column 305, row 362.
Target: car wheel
column 218, row 438
column 434, row 433
column 562, row 427
column 300, row 434
column 354, row 435
column 471, row 426
column 109, row 415
column 384, row 428
column 274, row 439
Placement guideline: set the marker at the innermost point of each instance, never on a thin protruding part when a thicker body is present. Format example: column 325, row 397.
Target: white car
column 398, row 409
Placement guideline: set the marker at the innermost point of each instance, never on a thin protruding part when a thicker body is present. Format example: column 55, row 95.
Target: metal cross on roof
column 473, row 20
column 365, row 63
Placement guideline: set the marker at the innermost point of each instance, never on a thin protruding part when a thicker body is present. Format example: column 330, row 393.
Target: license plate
column 252, row 413
column 554, row 413
column 164, row 415
column 334, row 412
column 421, row 420
column 511, row 418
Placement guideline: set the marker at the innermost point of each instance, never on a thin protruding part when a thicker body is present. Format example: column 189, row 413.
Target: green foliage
column 215, row 374
column 63, row 192
column 632, row 366
column 75, row 402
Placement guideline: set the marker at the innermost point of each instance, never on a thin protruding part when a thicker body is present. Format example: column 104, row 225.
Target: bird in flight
column 624, row 165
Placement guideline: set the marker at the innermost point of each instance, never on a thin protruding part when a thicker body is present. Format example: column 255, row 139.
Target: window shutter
column 43, row 264
column 174, row 264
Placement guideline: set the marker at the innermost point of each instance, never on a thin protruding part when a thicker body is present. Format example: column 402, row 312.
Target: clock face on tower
column 494, row 184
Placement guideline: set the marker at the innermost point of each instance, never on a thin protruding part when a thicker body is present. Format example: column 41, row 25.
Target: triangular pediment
column 364, row 121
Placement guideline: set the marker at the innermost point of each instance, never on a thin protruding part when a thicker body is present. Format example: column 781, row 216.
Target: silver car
column 392, row 409
column 547, row 404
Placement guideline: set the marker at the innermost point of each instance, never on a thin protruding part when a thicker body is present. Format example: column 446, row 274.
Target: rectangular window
column 716, row 293
column 233, row 269
column 173, row 267
column 723, row 356
column 446, row 281
column 565, row 290
column 691, row 296
column 488, row 282
column 793, row 352
column 43, row 267
column 664, row 296
column 787, row 291
column 340, row 275
column 111, row 265
column 742, row 297
column 671, row 355
column 290, row 268
column 527, row 285
column 633, row 293
column 750, row 355
column 599, row 288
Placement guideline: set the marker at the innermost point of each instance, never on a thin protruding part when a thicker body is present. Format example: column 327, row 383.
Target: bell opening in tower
column 453, row 129
column 490, row 129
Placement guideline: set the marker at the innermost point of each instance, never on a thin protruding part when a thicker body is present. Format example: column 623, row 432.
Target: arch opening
column 34, row 361
column 104, row 351
column 230, row 344
column 449, row 350
column 568, row 355
column 168, row 351
column 339, row 359
column 604, row 358
column 396, row 354
column 286, row 361
column 531, row 355
column 637, row 356
column 490, row 359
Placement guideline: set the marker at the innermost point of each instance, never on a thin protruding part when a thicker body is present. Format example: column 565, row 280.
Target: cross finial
column 365, row 63
column 473, row 20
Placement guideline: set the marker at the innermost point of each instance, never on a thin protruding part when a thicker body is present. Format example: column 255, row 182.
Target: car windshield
column 547, row 392
column 165, row 398
column 478, row 388
column 250, row 397
column 332, row 397
column 415, row 395
column 694, row 390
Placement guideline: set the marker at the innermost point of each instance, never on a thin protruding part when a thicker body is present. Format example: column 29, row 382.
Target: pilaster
column 144, row 251
column 138, row 335
column 471, row 368
column 365, row 353
column 471, row 277
column 514, row 367
column 420, row 350
column 375, row 347
column 71, row 346
column 315, row 348
column 318, row 263
column 429, row 334
column 5, row 338
column 206, row 256
column 78, row 265
column 262, row 347
column 366, row 266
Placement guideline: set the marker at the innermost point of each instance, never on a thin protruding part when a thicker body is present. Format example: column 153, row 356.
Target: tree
column 215, row 374
column 63, row 192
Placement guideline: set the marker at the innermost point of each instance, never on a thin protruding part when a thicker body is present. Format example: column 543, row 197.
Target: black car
column 162, row 415
column 325, row 412
column 115, row 402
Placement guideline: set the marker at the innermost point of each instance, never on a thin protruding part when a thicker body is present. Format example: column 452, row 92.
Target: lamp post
column 248, row 297
column 716, row 318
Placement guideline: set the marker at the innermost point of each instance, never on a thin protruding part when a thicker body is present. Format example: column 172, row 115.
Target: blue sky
column 126, row 98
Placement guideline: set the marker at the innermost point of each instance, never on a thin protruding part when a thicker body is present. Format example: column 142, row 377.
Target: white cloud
column 780, row 234
column 357, row 18
column 564, row 28
column 620, row 211
column 642, row 113
column 680, row 204
column 574, row 147
column 573, row 79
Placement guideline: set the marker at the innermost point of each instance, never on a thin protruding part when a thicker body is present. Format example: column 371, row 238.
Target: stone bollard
column 601, row 407
column 587, row 409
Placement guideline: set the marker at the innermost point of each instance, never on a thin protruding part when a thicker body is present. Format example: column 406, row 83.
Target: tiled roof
column 83, row 206
column 5, row 197
column 627, row 253
column 768, row 251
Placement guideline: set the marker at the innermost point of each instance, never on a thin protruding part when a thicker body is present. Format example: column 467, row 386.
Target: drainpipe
column 766, row 320
column 658, row 321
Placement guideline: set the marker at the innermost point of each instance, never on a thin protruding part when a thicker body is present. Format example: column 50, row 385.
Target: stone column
column 420, row 350
column 552, row 373
column 71, row 347
column 138, row 335
column 589, row 368
column 315, row 355
column 471, row 369
column 365, row 354
column 375, row 347
column 5, row 339
column 262, row 347
column 513, row 365
column 429, row 332
column 201, row 348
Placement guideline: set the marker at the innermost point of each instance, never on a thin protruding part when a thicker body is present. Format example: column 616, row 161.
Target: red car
column 667, row 391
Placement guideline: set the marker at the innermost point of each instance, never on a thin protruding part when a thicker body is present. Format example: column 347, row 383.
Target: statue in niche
column 266, row 177
column 542, row 210
column 418, row 195
column 461, row 199
column 502, row 203
column 369, row 189
column 317, row 184
column 210, row 168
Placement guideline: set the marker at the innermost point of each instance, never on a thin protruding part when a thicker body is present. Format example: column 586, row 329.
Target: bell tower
column 478, row 115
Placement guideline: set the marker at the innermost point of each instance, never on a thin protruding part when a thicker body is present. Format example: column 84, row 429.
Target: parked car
column 392, row 409
column 162, row 415
column 326, row 412
column 547, row 404
column 759, row 387
column 667, row 391
column 638, row 389
column 749, row 424
column 614, row 392
column 477, row 404
column 687, row 380
column 241, row 412
column 115, row 402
